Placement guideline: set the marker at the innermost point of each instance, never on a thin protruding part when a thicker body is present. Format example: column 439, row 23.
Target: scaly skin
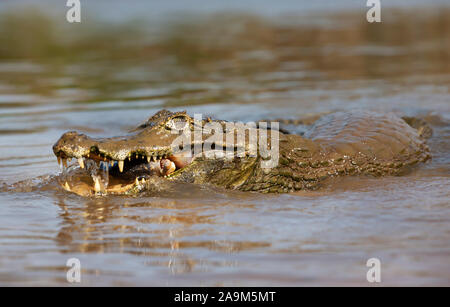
column 338, row 144
column 342, row 144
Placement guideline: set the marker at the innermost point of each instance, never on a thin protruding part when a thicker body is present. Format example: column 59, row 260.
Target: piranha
column 356, row 143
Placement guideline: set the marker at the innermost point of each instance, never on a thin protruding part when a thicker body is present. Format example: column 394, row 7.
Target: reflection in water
column 149, row 227
column 104, row 79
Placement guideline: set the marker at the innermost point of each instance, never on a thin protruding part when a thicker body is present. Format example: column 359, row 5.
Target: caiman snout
column 72, row 145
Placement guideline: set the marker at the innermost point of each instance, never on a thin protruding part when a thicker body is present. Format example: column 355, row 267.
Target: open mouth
column 95, row 173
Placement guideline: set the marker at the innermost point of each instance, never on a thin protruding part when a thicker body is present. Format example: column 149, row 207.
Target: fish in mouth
column 338, row 144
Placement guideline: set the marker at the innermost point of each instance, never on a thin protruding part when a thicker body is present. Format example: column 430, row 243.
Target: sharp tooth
column 59, row 161
column 64, row 162
column 137, row 181
column 97, row 187
column 129, row 158
column 81, row 162
column 88, row 155
column 66, row 186
column 153, row 158
column 112, row 162
column 120, row 166
column 143, row 181
column 148, row 159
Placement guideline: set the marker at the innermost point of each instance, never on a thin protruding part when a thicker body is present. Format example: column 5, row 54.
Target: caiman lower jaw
column 98, row 175
column 80, row 182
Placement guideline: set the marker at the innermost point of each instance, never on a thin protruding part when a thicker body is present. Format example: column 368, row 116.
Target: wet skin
column 335, row 145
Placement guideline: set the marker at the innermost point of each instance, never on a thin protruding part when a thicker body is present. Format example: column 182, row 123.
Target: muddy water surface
column 105, row 80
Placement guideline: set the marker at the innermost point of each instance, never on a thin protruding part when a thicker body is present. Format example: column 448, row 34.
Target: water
column 107, row 78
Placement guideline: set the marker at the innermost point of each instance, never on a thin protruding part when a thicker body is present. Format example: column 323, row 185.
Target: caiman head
column 165, row 146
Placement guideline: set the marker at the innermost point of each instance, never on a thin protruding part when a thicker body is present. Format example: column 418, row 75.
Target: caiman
column 336, row 144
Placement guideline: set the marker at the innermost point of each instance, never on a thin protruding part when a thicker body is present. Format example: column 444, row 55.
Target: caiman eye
column 177, row 123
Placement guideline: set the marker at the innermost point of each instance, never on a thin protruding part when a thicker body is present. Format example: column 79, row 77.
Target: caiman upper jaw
column 135, row 148
column 75, row 145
